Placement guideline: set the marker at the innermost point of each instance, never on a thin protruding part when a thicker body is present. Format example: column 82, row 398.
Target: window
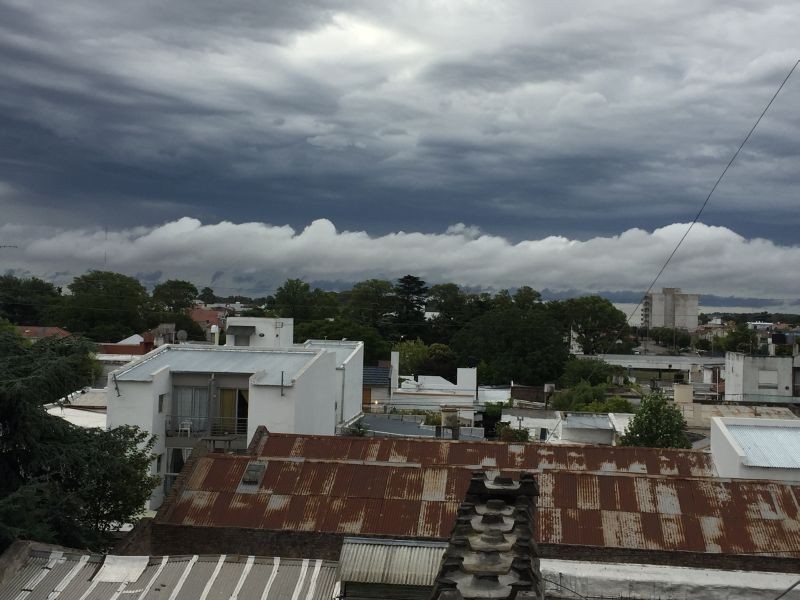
column 190, row 404
column 159, row 460
column 161, row 399
column 767, row 380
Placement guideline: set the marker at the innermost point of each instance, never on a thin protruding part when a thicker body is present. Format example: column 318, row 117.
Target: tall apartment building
column 670, row 308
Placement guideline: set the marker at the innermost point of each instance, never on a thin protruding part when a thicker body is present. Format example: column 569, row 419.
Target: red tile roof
column 38, row 332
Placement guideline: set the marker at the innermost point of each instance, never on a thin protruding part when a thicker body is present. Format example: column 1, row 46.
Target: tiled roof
column 377, row 376
column 38, row 332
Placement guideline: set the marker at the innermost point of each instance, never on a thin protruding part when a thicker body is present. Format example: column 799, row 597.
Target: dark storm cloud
column 527, row 119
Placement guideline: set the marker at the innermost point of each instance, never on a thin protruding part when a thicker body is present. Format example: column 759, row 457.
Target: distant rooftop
column 587, row 421
column 222, row 359
column 768, row 445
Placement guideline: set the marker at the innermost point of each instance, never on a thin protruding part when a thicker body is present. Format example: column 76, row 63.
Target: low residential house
column 182, row 393
column 561, row 427
column 762, row 379
column 208, row 319
column 747, row 448
column 34, row 333
column 376, row 388
column 259, row 332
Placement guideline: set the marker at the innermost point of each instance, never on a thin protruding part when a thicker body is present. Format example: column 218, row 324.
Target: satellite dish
column 182, row 336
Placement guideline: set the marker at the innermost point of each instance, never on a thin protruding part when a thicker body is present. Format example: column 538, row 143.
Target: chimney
column 395, row 370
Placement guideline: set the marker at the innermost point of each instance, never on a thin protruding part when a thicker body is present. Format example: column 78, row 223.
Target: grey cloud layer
column 256, row 257
column 529, row 118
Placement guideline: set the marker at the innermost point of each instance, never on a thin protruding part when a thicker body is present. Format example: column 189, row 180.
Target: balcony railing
column 194, row 426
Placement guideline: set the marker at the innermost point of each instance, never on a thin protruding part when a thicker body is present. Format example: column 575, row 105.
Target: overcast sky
column 553, row 144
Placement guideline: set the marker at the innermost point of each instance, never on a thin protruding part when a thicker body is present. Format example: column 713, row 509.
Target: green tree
column 657, row 424
column 60, row 483
column 370, row 302
column 506, row 433
column 614, row 404
column 293, row 299
column 526, row 346
column 526, row 297
column 104, row 306
column 441, row 361
column 598, row 325
column 375, row 347
column 27, row 301
column 207, row 296
column 578, row 397
column 591, row 370
column 413, row 354
column 410, row 297
column 175, row 294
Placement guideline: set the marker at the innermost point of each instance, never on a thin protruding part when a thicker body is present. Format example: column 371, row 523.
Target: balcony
column 196, row 427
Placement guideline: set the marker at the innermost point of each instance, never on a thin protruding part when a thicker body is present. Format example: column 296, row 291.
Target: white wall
column 583, row 435
column 269, row 333
column 137, row 405
column 467, row 379
column 353, row 371
column 742, row 377
column 267, row 407
column 315, row 395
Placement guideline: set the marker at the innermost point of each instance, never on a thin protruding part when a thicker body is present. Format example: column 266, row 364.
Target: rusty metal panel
column 201, row 468
column 275, row 511
column 587, row 492
column 400, row 517
column 548, row 526
column 622, row 529
column 546, row 488
column 565, row 490
column 430, row 520
column 434, row 484
column 287, row 477
column 225, row 473
column 404, row 484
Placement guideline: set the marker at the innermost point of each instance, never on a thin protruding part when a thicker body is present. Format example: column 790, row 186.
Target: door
column 226, row 422
column 242, row 404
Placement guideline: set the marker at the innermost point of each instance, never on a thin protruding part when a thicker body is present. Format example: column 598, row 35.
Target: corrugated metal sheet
column 482, row 454
column 622, row 510
column 391, row 562
column 768, row 446
column 187, row 577
column 268, row 363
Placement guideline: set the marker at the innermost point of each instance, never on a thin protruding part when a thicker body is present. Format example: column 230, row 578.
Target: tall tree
column 175, row 294
column 104, row 306
column 27, row 301
column 60, row 483
column 410, row 294
column 526, row 346
column 657, row 424
column 370, row 302
column 293, row 299
column 375, row 347
column 597, row 323
column 207, row 296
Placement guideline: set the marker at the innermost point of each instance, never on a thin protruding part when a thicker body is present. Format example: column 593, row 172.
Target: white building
column 756, row 448
column 258, row 332
column 758, row 379
column 183, row 393
column 670, row 308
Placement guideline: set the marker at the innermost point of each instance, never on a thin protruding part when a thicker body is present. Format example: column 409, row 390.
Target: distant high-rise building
column 670, row 308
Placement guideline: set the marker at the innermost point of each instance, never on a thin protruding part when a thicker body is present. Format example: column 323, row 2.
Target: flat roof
column 97, row 577
column 222, row 359
column 344, row 349
column 586, row 421
column 768, row 445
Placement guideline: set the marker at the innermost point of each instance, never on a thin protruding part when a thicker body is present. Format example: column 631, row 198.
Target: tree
column 596, row 322
column 27, row 301
column 657, row 424
column 375, row 347
column 293, row 299
column 370, row 302
column 506, row 433
column 175, row 294
column 413, row 354
column 526, row 346
column 104, row 306
column 579, row 396
column 60, row 483
column 591, row 370
column 441, row 361
column 526, row 297
column 207, row 296
column 410, row 294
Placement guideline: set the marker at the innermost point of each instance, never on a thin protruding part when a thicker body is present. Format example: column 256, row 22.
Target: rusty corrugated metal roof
column 598, row 508
column 499, row 455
